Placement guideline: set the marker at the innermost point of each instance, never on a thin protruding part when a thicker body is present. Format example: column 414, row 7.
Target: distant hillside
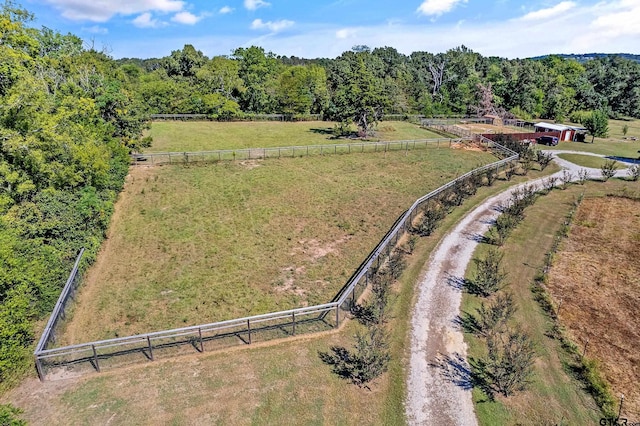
column 584, row 57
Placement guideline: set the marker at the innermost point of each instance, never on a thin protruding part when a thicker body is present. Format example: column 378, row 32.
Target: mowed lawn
column 614, row 145
column 590, row 161
column 190, row 136
column 192, row 245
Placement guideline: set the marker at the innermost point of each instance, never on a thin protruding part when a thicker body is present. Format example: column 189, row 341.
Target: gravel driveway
column 438, row 380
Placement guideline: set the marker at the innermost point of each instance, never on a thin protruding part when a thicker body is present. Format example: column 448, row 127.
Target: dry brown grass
column 597, row 277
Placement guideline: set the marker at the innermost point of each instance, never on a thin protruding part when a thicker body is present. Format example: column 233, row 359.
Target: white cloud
column 550, row 12
column 346, row 33
column 103, row 10
column 95, row 29
column 225, row 9
column 255, row 4
column 610, row 26
column 273, row 26
column 186, row 18
column 437, row 7
column 614, row 21
column 146, row 20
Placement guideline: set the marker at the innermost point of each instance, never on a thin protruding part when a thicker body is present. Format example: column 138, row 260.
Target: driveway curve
column 438, row 379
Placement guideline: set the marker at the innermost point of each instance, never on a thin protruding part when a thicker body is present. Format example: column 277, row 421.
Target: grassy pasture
column 554, row 395
column 189, row 136
column 198, row 244
column 588, row 160
column 614, row 145
column 280, row 382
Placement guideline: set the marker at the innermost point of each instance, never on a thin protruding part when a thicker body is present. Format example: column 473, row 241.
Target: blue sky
column 326, row 28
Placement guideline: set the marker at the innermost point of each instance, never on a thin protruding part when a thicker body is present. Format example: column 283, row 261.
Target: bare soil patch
column 490, row 128
column 597, row 277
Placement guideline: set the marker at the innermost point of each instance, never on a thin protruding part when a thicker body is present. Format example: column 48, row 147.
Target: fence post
column 39, row 369
column 293, row 316
column 150, row 348
column 95, row 358
column 249, row 329
column 201, row 342
column 337, row 315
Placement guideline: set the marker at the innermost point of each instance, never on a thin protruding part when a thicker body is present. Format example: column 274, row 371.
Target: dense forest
column 70, row 115
column 384, row 80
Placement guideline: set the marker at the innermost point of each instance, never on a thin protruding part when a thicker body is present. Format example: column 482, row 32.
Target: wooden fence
column 244, row 117
column 286, row 151
column 111, row 353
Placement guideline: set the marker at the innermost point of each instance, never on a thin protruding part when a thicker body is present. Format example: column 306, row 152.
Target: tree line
column 363, row 84
column 69, row 116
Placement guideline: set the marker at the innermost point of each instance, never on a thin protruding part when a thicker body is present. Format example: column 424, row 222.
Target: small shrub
column 583, row 175
column 505, row 223
column 368, row 360
column 493, row 318
column 374, row 311
column 508, row 365
column 491, row 175
column 432, row 213
column 526, row 163
column 510, row 171
column 544, row 159
column 549, row 183
column 608, row 170
column 489, row 276
column 396, row 264
column 566, row 178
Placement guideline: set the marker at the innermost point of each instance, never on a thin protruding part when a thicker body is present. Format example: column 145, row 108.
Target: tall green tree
column 357, row 95
column 302, row 89
column 597, row 123
column 259, row 72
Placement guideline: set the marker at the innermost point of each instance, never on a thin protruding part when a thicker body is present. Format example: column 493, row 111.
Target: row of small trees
column 370, row 355
column 508, row 364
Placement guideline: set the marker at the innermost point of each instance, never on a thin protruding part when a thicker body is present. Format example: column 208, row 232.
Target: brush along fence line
column 111, row 353
column 157, row 158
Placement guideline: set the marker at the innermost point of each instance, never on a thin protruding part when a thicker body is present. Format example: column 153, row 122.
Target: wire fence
column 243, row 117
column 119, row 351
column 157, row 158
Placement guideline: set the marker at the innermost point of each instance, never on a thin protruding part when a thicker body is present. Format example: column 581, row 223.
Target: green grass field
column 614, row 145
column 189, row 136
column 554, row 396
column 587, row 160
column 272, row 383
column 199, row 244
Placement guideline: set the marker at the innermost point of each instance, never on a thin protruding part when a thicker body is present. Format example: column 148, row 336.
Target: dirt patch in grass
column 597, row 277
